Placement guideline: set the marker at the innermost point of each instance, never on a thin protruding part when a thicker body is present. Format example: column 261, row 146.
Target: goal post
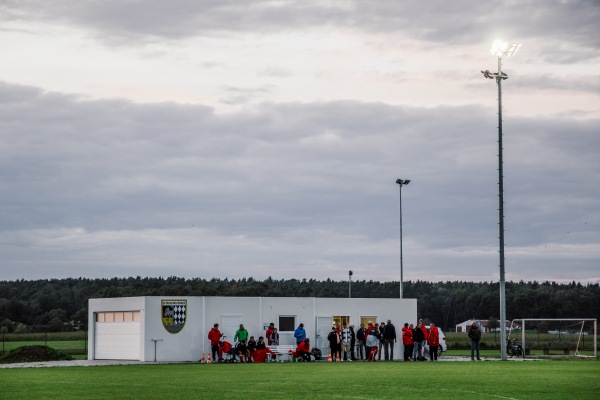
column 547, row 337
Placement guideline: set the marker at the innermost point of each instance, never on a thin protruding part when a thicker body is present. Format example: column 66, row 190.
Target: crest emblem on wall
column 173, row 314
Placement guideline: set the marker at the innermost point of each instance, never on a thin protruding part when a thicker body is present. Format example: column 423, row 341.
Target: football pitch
column 443, row 380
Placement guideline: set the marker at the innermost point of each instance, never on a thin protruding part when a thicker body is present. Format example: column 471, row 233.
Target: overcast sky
column 220, row 138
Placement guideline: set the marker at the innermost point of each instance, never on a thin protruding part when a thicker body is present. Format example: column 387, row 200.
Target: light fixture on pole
column 350, row 284
column 401, row 182
column 501, row 50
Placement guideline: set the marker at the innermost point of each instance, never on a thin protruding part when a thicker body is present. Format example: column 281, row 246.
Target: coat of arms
column 173, row 314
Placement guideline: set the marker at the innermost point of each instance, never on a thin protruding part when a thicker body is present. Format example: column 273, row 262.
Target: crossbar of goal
column 524, row 321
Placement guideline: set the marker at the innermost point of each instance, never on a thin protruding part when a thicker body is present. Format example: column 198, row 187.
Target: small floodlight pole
column 350, row 284
column 501, row 49
column 401, row 182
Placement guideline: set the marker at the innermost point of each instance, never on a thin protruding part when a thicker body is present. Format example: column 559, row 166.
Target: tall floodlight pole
column 401, row 182
column 501, row 50
column 350, row 284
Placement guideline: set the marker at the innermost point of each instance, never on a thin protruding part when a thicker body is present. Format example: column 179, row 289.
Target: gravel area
column 95, row 363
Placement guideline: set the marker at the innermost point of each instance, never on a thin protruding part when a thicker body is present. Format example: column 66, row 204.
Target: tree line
column 61, row 304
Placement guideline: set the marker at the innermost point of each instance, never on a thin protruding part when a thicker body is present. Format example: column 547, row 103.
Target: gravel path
column 95, row 363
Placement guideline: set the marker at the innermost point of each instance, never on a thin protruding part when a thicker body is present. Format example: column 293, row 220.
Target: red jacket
column 268, row 335
column 407, row 336
column 303, row 347
column 434, row 336
column 214, row 335
column 225, row 347
column 425, row 332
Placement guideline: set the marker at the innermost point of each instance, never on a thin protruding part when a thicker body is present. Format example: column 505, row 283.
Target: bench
column 282, row 352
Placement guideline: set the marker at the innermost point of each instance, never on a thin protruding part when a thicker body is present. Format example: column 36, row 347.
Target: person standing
column 214, row 335
column 426, row 337
column 300, row 334
column 370, row 327
column 389, row 337
column 475, row 337
column 334, row 343
column 269, row 332
column 274, row 338
column 360, row 338
column 419, row 338
column 346, row 339
column 434, row 341
column 372, row 344
column 352, row 343
column 381, row 339
column 241, row 334
column 407, row 341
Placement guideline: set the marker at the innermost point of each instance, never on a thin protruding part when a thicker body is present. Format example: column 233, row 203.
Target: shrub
column 34, row 353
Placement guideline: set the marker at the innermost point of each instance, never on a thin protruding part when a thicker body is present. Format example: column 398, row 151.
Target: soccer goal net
column 555, row 337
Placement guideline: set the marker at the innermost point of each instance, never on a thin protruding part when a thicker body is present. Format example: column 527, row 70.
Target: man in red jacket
column 214, row 335
column 303, row 350
column 407, row 341
column 434, row 341
column 269, row 332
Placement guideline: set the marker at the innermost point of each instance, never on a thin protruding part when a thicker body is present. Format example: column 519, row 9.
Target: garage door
column 117, row 335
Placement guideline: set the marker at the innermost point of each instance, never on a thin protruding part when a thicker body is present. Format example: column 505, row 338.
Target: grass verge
column 449, row 380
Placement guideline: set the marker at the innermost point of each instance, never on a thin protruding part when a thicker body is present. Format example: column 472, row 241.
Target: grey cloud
column 545, row 81
column 571, row 22
column 237, row 95
column 298, row 186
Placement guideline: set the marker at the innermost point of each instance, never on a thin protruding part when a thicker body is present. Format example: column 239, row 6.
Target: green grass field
column 79, row 345
column 443, row 380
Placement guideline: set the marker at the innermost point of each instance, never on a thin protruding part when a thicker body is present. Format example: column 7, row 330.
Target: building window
column 118, row 316
column 287, row 323
column 365, row 320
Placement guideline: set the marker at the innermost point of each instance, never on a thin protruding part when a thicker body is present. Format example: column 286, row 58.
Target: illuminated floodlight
column 503, row 49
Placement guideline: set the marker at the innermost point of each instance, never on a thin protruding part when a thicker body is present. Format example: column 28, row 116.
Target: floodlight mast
column 501, row 50
column 401, row 182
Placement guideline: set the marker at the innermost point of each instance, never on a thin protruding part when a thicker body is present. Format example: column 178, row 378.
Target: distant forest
column 61, row 304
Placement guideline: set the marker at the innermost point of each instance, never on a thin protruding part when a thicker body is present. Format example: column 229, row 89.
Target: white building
column 171, row 328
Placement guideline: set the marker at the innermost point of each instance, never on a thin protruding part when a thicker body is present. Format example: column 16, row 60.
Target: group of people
column 416, row 338
column 247, row 348
column 368, row 342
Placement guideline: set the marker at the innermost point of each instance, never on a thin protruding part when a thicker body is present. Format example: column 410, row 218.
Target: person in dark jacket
column 389, row 337
column 419, row 338
column 360, row 338
column 352, row 343
column 334, row 343
column 381, row 329
column 475, row 337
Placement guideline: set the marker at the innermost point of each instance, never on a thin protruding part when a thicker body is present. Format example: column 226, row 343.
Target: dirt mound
column 34, row 353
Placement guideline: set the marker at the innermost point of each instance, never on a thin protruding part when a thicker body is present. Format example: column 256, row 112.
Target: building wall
column 253, row 312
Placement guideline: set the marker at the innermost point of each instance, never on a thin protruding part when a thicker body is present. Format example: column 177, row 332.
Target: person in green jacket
column 241, row 335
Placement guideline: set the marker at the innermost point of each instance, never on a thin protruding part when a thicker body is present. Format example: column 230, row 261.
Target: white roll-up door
column 117, row 337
